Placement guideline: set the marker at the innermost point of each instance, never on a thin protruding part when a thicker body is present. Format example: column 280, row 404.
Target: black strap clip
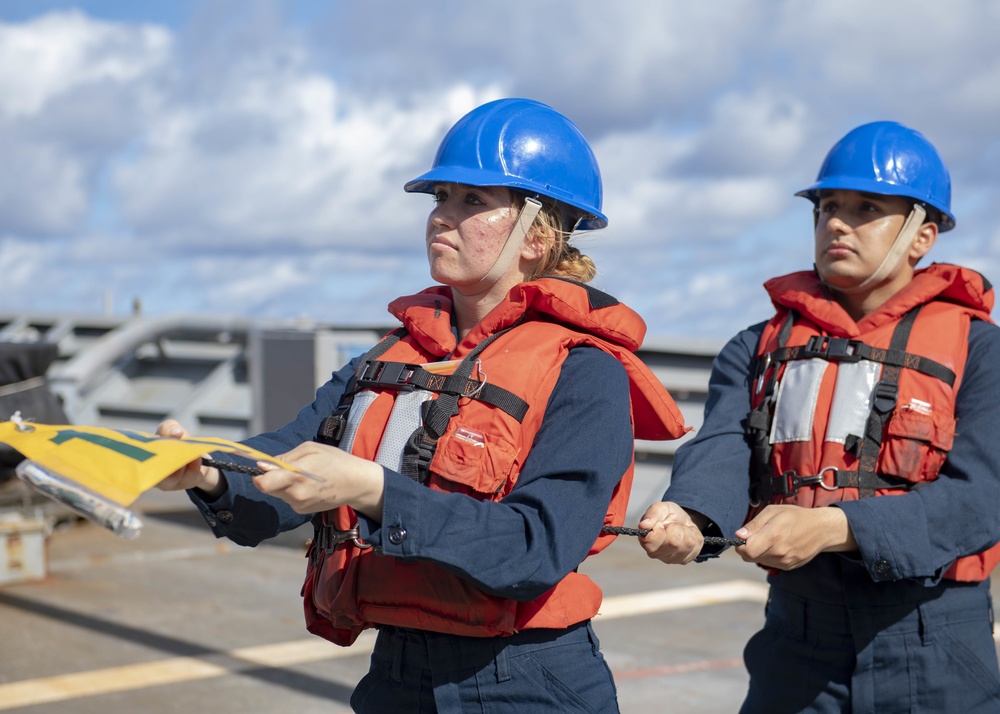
column 387, row 375
column 839, row 349
column 331, row 429
column 788, row 483
column 884, row 397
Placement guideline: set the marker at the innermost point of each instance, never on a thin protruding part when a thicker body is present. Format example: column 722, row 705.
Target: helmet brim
column 883, row 188
column 592, row 219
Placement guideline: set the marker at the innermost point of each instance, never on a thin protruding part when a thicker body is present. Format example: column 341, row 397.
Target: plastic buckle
column 840, row 349
column 331, row 429
column 884, row 397
column 783, row 485
column 387, row 375
column 790, row 482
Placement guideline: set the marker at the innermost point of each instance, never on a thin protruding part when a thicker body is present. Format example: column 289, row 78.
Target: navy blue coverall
column 876, row 631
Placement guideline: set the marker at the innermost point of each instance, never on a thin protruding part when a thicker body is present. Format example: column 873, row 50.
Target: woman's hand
column 332, row 478
column 673, row 536
column 193, row 474
column 786, row 537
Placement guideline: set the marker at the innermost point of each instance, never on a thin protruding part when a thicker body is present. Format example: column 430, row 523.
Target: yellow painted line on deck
column 681, row 599
column 172, row 671
column 177, row 670
column 69, row 565
column 103, row 681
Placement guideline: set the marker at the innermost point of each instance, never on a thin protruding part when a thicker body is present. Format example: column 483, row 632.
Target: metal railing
column 234, row 376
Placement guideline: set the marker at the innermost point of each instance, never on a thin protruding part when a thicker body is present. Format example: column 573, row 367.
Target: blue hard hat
column 524, row 145
column 889, row 159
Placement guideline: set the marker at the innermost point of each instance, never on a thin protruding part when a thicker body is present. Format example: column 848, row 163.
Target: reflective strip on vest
column 798, row 395
column 852, row 399
column 403, row 421
column 362, row 400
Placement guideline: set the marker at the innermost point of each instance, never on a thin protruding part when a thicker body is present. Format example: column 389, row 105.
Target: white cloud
column 761, row 132
column 240, row 162
column 31, row 171
column 283, row 157
column 70, row 92
column 56, row 53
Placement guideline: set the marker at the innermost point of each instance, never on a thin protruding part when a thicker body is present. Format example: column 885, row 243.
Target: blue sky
column 247, row 157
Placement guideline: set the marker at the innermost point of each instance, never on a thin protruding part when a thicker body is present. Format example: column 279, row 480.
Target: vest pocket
column 916, row 444
column 481, row 462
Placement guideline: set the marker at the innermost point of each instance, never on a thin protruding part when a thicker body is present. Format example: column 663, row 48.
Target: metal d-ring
column 822, row 471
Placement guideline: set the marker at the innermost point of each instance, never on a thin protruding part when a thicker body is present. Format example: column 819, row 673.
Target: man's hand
column 786, row 537
column 673, row 535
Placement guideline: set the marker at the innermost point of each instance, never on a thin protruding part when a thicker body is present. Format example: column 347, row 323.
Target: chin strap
column 899, row 247
column 513, row 244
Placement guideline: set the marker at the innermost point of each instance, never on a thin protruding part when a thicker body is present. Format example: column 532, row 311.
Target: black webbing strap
column 331, row 429
column 763, row 485
column 883, row 403
column 420, row 447
column 418, row 453
column 788, row 483
column 841, row 349
column 405, row 377
column 759, row 422
column 869, row 480
column 442, row 409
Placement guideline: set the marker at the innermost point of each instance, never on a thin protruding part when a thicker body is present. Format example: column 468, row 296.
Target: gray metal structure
column 232, row 377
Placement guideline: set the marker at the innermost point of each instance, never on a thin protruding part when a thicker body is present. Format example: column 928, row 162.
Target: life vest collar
column 805, row 293
column 586, row 308
column 427, row 315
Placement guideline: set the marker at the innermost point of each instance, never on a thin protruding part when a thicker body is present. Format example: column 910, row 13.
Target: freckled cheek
column 495, row 231
column 481, row 247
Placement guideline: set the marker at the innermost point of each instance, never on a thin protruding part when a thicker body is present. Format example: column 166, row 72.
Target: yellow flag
column 118, row 464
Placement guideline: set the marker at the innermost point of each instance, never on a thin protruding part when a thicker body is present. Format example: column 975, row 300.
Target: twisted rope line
column 640, row 532
column 614, row 530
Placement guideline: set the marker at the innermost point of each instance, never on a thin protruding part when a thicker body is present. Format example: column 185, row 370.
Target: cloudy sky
column 247, row 157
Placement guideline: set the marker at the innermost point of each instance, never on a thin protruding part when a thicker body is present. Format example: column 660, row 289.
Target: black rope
column 641, row 532
column 229, row 466
column 614, row 530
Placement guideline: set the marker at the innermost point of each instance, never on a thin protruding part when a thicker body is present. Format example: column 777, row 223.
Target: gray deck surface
column 173, row 607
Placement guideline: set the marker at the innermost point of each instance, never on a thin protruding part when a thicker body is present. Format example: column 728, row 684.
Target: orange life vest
column 476, row 445
column 845, row 410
